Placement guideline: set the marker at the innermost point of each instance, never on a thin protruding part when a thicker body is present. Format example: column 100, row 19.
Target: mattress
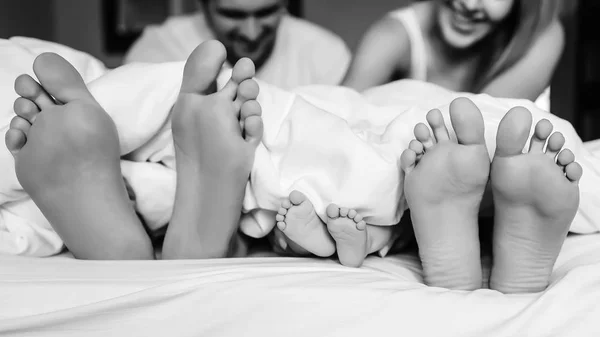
column 274, row 296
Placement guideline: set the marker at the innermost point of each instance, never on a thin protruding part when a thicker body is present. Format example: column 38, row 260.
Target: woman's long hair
column 512, row 39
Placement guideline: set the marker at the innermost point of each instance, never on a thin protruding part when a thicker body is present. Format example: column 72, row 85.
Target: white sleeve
column 149, row 48
column 332, row 62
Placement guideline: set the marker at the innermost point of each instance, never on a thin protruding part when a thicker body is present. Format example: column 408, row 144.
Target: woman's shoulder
column 555, row 30
column 390, row 26
column 392, row 36
column 549, row 40
column 416, row 17
column 419, row 10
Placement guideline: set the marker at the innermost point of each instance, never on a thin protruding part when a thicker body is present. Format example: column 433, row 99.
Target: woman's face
column 466, row 22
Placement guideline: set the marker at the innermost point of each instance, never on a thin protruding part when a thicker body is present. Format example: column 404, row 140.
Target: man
column 287, row 51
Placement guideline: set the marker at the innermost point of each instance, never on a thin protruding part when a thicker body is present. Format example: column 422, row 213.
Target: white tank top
column 418, row 53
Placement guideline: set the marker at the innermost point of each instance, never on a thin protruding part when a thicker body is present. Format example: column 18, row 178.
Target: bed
column 273, row 296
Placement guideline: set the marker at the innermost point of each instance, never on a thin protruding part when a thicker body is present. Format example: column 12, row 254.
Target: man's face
column 247, row 28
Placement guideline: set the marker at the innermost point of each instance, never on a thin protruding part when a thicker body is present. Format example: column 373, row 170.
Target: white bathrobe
column 304, row 53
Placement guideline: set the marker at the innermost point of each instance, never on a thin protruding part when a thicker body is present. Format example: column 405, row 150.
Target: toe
column 574, row 171
column 242, row 71
column 543, row 129
column 565, row 157
column 253, row 130
column 282, row 211
column 333, row 211
column 423, row 135
column 361, row 225
column 247, row 91
column 281, row 225
column 203, row 67
column 20, row 123
column 344, row 212
column 352, row 214
column 27, row 87
column 416, row 146
column 436, row 121
column 286, row 204
column 14, row 139
column 555, row 143
column 250, row 108
column 467, row 122
column 297, row 197
column 279, row 218
column 513, row 132
column 408, row 160
column 59, row 78
column 358, row 218
column 26, row 109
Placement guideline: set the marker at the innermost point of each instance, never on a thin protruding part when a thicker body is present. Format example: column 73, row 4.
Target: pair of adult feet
column 535, row 194
column 67, row 158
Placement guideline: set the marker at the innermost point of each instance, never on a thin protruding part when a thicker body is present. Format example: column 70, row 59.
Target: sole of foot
column 536, row 196
column 444, row 184
column 216, row 135
column 299, row 222
column 67, row 158
column 349, row 231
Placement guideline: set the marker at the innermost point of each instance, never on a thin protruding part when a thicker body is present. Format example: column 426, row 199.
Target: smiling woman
column 506, row 48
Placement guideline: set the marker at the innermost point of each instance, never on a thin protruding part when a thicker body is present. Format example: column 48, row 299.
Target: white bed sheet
column 349, row 157
column 271, row 296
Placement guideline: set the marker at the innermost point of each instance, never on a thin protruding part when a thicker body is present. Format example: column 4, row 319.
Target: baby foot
column 299, row 222
column 536, row 196
column 67, row 158
column 444, row 185
column 348, row 229
column 214, row 155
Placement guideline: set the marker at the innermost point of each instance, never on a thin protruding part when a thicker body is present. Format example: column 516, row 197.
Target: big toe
column 203, row 67
column 333, row 211
column 467, row 122
column 59, row 78
column 297, row 197
column 513, row 132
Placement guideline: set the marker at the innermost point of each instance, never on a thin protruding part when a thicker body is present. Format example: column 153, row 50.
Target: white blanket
column 331, row 143
column 265, row 297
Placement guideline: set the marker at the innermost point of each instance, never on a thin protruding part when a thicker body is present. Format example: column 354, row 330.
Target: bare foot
column 444, row 186
column 214, row 155
column 349, row 231
column 299, row 222
column 536, row 196
column 67, row 159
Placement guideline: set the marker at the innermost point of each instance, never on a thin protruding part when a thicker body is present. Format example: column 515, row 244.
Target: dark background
column 99, row 27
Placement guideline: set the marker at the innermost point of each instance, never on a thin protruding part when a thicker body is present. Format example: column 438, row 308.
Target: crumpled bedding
column 331, row 143
column 61, row 296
